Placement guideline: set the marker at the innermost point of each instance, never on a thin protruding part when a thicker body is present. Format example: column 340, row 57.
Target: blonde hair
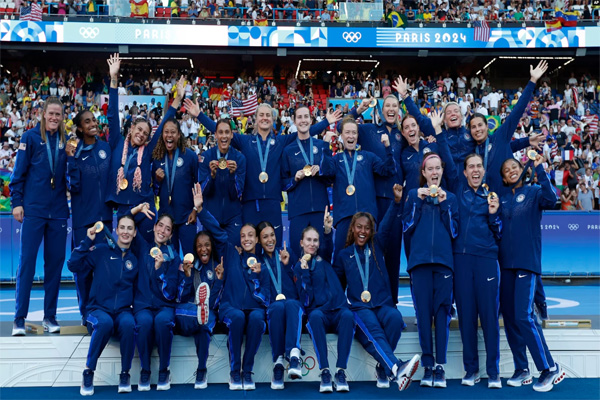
column 61, row 126
column 398, row 118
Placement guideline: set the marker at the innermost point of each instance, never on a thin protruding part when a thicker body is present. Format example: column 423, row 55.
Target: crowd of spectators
column 567, row 117
column 328, row 10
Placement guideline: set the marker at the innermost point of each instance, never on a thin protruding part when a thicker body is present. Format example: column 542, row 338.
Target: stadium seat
column 11, row 8
column 183, row 15
column 167, row 12
column 2, row 8
column 160, row 12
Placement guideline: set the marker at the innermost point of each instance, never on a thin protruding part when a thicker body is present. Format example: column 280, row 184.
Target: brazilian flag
column 493, row 122
column 397, row 20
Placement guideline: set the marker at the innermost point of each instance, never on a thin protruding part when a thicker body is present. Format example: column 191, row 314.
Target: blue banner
column 295, row 36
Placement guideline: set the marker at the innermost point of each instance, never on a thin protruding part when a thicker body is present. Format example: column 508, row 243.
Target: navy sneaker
column 248, row 382
column 382, row 380
column 294, row 371
column 427, row 379
column 201, row 379
column 326, row 385
column 50, row 325
column 470, row 379
column 548, row 379
column 408, row 368
column 340, row 382
column 235, row 381
column 19, row 327
column 144, row 384
column 124, row 382
column 494, row 382
column 520, row 377
column 87, row 383
column 164, row 380
column 277, row 382
column 439, row 377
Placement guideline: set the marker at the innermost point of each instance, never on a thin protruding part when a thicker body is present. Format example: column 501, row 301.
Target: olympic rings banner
column 294, row 36
column 570, row 244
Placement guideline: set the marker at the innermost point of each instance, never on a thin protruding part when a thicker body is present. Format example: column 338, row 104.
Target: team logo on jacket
column 398, row 136
column 61, row 145
column 315, row 149
column 102, row 154
column 209, row 274
column 319, row 258
column 520, row 198
column 179, row 162
column 359, row 158
column 467, row 136
column 129, row 265
column 426, row 150
column 272, row 142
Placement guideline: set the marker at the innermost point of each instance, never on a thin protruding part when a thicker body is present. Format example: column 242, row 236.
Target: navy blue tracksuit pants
column 102, row 326
column 253, row 321
column 394, row 250
column 297, row 225
column 517, row 291
column 256, row 211
column 477, row 291
column 54, row 234
column 284, row 318
column 339, row 321
column 155, row 326
column 378, row 331
column 432, row 299
column 186, row 321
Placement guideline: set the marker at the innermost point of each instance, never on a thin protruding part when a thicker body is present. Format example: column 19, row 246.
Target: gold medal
column 73, row 142
column 350, row 190
column 365, row 296
column 532, row 154
column 98, row 226
column 123, row 184
column 222, row 163
column 280, row 296
column 433, row 191
column 373, row 103
column 251, row 261
column 263, row 177
column 306, row 257
column 188, row 258
column 307, row 170
column 155, row 252
column 485, row 186
column 491, row 196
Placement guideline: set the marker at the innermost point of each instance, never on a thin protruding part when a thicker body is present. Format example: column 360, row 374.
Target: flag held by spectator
column 493, row 122
column 31, row 13
column 567, row 18
column 91, row 7
column 246, row 107
column 397, row 20
column 482, row 31
column 139, row 8
column 216, row 89
column 568, row 155
column 553, row 25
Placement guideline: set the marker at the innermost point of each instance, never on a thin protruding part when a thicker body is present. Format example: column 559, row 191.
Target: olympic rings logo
column 351, row 37
column 89, row 33
column 307, row 364
column 573, row 227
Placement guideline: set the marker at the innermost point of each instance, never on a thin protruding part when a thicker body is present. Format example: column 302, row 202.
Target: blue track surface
column 562, row 300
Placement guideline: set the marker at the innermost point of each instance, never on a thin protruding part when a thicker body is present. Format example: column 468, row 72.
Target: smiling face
column 139, row 132
column 264, row 118
column 163, row 230
column 170, row 136
column 349, row 135
column 474, row 171
column 248, row 238
column 410, row 130
column 88, row 125
column 390, row 109
column 362, row 231
column 511, row 171
column 223, row 136
column 302, row 120
column 268, row 241
column 453, row 116
column 203, row 248
column 479, row 129
column 432, row 171
column 53, row 117
column 125, row 232
column 310, row 242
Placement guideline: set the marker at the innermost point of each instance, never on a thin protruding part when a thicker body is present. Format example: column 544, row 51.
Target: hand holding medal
column 188, row 261
column 493, row 202
column 253, row 265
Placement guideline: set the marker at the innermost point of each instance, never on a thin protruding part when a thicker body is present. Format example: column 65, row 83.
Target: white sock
column 340, row 369
column 395, row 369
column 279, row 360
column 553, row 368
column 295, row 352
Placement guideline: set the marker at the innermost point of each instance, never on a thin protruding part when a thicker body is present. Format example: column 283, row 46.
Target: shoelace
column 326, row 376
column 235, row 375
column 124, row 378
column 248, row 376
column 341, row 377
column 278, row 371
column 545, row 373
column 88, row 379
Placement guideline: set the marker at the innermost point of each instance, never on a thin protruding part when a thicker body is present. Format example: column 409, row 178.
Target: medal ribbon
column 126, row 166
column 53, row 162
column 263, row 159
column 81, row 148
column 219, row 155
column 364, row 273
column 276, row 283
column 310, row 146
column 485, row 157
column 350, row 174
column 171, row 177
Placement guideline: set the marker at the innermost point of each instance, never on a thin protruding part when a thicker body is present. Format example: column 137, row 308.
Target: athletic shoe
column 164, row 380
column 19, row 327
column 144, row 384
column 408, row 368
column 235, row 381
column 124, row 382
column 326, row 385
column 248, row 382
column 87, row 383
column 427, row 379
column 294, row 371
column 340, row 382
column 520, row 377
column 382, row 380
column 439, row 377
column 470, row 379
column 277, row 382
column 202, row 297
column 50, row 325
column 201, row 379
column 494, row 382
column 549, row 378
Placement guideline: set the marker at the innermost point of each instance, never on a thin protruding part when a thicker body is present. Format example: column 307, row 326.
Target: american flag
column 482, row 31
column 31, row 13
column 592, row 121
column 245, row 107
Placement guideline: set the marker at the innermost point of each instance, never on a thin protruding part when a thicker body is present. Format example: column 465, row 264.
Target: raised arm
column 193, row 109
column 114, row 124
